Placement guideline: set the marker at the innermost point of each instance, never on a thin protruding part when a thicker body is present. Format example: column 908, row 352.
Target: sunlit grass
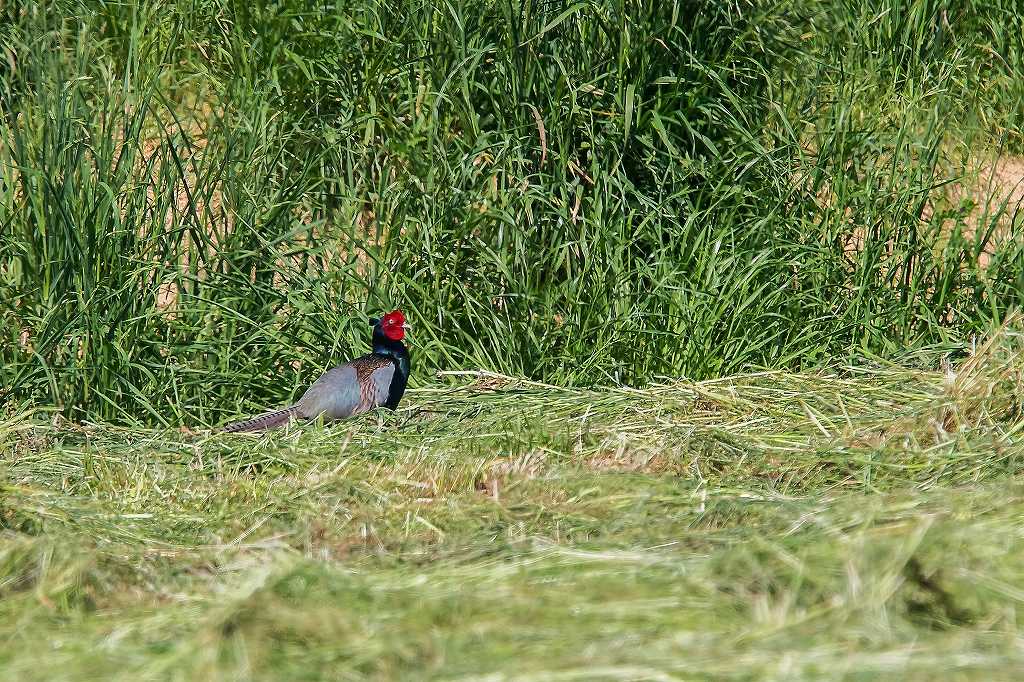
column 705, row 378
column 822, row 526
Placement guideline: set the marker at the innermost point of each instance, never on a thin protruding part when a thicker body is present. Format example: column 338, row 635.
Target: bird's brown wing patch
column 373, row 374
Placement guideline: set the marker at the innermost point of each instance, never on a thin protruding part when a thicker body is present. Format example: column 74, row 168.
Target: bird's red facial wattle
column 393, row 325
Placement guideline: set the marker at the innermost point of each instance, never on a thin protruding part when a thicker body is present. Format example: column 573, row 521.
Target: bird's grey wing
column 353, row 388
column 335, row 395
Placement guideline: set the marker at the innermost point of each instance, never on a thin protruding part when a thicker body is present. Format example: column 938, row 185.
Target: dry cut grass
column 858, row 523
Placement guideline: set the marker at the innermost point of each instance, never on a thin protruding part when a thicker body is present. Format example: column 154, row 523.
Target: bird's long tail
column 270, row 420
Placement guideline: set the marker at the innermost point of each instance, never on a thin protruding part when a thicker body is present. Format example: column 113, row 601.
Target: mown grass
column 856, row 524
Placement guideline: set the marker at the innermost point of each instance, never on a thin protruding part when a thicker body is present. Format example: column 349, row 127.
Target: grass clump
column 203, row 198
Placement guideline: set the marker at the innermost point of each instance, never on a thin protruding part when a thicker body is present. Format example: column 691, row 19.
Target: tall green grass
column 201, row 201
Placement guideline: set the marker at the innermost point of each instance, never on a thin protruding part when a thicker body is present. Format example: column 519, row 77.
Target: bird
column 377, row 379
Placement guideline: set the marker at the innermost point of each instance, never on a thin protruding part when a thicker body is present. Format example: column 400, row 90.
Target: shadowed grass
column 202, row 201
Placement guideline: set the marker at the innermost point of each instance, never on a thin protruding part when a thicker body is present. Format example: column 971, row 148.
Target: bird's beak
column 407, row 327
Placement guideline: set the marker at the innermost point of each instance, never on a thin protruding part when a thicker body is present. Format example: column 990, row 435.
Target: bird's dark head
column 388, row 333
column 392, row 326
